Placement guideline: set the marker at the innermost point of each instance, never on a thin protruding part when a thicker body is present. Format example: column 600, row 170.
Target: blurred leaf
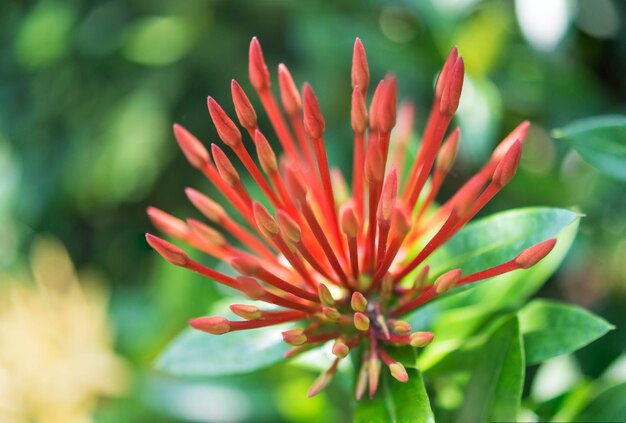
column 601, row 141
column 609, row 406
column 495, row 388
column 45, row 34
column 158, row 41
column 198, row 354
column 395, row 401
column 551, row 328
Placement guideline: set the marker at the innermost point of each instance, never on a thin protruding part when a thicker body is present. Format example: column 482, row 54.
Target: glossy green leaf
column 198, row 354
column 608, row 406
column 600, row 141
column 551, row 328
column 395, row 401
column 495, row 388
column 494, row 240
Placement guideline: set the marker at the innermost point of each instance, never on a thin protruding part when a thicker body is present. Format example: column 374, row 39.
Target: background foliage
column 88, row 91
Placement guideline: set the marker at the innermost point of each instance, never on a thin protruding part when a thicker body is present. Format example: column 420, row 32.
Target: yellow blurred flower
column 56, row 344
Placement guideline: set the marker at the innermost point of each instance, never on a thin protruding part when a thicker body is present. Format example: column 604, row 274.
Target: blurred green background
column 89, row 91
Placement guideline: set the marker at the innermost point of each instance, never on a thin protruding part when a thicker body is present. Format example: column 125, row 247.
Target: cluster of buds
column 343, row 265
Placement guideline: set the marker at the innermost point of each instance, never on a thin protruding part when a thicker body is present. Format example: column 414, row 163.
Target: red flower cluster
column 346, row 265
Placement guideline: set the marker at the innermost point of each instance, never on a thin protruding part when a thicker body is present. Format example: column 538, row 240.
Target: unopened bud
column 360, row 69
column 265, row 153
column 349, row 222
column 289, row 94
column 387, row 105
column 420, row 339
column 246, row 265
column 257, row 69
column 452, row 91
column 226, row 128
column 532, row 255
column 168, row 251
column 388, row 197
column 398, row 371
column 320, row 383
column 264, row 220
column 331, row 313
column 358, row 302
column 192, row 148
column 294, row 337
column 400, row 327
column 224, row 166
column 448, row 151
column 246, row 311
column 167, row 223
column 212, row 325
column 361, row 321
column 289, row 228
column 447, row 281
column 251, row 287
column 340, row 349
column 313, row 120
column 207, row 233
column 209, row 208
column 243, row 107
column 325, row 295
column 508, row 165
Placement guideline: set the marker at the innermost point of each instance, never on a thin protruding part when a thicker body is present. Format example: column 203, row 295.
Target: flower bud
column 212, row 325
column 168, row 251
column 447, row 281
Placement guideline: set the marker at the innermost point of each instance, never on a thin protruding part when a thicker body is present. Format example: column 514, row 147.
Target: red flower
column 345, row 267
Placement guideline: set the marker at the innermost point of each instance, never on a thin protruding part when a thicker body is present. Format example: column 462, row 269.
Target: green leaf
column 551, row 328
column 194, row 353
column 495, row 388
column 608, row 406
column 600, row 141
column 494, row 240
column 395, row 401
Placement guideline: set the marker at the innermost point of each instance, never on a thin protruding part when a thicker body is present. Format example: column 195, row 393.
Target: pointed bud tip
column 168, row 251
column 358, row 302
column 447, row 281
column 505, row 170
column 243, row 107
column 421, row 339
column 314, row 123
column 532, row 255
column 257, row 69
column 361, row 321
column 246, row 311
column 325, row 296
column 349, row 222
column 226, row 128
column 212, row 325
column 294, row 337
column 398, row 371
column 196, row 154
column 289, row 94
column 264, row 220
